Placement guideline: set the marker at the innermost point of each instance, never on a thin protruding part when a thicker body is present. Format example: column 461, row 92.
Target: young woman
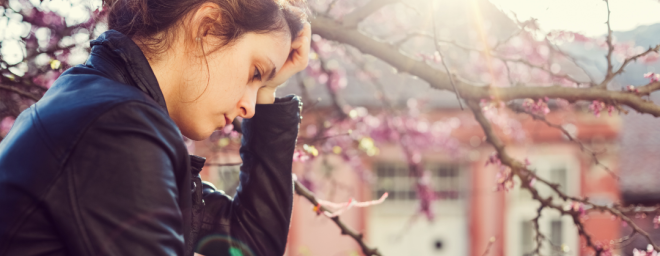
column 98, row 166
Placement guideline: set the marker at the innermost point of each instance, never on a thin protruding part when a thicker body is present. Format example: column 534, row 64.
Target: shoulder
column 82, row 98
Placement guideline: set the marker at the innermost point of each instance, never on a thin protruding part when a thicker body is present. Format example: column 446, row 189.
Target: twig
column 19, row 92
column 352, row 19
column 337, row 101
column 537, row 229
column 594, row 154
column 526, row 176
column 333, row 30
column 490, row 245
column 345, row 230
column 610, row 49
column 442, row 57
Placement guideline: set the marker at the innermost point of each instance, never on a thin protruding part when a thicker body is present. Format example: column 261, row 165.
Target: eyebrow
column 273, row 71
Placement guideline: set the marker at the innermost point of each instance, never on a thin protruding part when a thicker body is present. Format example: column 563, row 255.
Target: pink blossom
column 504, row 177
column 426, row 195
column 656, row 222
column 579, row 208
column 631, row 88
column 650, row 58
column 540, row 107
column 652, row 76
column 596, row 107
column 300, row 156
column 649, row 251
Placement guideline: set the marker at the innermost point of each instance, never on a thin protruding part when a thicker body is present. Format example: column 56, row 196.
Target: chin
column 197, row 135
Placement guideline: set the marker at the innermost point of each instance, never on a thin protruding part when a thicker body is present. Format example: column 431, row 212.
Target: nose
column 247, row 104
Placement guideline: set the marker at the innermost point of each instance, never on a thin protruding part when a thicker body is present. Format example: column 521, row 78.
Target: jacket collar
column 127, row 63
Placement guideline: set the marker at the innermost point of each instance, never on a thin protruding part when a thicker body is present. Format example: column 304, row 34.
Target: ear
column 203, row 20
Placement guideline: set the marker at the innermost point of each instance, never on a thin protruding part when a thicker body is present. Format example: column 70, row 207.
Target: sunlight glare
column 584, row 16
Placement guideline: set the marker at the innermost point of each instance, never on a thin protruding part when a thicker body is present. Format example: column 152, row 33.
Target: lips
column 227, row 121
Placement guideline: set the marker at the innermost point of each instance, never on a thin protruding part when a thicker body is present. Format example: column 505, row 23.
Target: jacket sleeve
column 124, row 183
column 256, row 221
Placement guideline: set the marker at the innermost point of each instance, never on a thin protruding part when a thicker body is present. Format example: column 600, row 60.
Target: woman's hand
column 297, row 61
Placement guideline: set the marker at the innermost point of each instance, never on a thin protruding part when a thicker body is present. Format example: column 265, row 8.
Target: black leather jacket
column 97, row 167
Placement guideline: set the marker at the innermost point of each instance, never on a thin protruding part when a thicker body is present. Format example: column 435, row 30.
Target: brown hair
column 152, row 21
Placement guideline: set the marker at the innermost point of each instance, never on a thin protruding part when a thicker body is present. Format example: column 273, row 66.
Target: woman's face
column 201, row 104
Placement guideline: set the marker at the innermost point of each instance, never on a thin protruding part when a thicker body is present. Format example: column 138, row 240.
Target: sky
column 584, row 16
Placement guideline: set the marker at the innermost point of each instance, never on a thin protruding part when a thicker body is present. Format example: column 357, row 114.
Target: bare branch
column 610, row 50
column 442, row 57
column 20, row 92
column 352, row 19
column 574, row 60
column 594, row 154
column 537, row 228
column 332, row 30
column 345, row 230
column 525, row 175
column 490, row 245
column 634, row 58
column 337, row 102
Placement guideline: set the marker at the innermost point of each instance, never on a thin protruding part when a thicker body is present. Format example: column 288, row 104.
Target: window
column 556, row 238
column 527, row 237
column 558, row 176
column 395, row 179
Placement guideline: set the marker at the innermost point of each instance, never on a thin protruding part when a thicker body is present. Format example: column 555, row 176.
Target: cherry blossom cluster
column 653, row 77
column 577, row 207
column 597, row 106
column 504, row 176
column 539, row 108
column 631, row 88
column 649, row 251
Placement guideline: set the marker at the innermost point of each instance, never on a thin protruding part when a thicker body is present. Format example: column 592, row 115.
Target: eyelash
column 257, row 74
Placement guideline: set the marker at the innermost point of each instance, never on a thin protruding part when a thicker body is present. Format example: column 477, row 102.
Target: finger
column 306, row 31
column 303, row 37
column 303, row 52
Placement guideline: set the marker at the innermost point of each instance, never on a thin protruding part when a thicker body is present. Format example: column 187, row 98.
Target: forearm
column 260, row 213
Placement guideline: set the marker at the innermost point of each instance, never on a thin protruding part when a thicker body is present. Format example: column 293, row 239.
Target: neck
column 168, row 76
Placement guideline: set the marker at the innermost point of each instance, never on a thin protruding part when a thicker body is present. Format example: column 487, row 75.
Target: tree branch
column 20, row 92
column 594, row 154
column 345, row 230
column 332, row 30
column 442, row 57
column 352, row 19
column 610, row 50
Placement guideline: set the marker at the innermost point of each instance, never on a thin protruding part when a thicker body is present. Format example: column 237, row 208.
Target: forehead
column 273, row 45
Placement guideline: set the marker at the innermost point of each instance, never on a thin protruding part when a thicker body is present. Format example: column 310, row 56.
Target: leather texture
column 97, row 167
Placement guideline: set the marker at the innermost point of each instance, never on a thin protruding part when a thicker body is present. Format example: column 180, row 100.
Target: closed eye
column 257, row 74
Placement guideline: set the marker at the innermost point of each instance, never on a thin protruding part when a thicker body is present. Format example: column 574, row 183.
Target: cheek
column 227, row 82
